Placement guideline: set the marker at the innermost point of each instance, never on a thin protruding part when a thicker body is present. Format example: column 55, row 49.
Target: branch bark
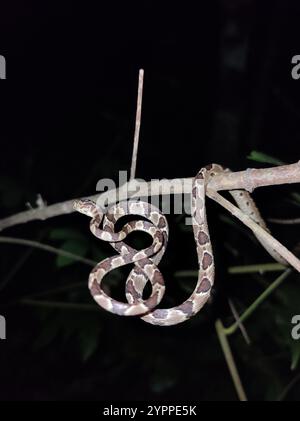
column 248, row 180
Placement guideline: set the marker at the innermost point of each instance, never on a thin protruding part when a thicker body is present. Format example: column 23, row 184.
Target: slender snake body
column 146, row 261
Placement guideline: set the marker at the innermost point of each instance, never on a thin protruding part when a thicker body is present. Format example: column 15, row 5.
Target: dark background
column 217, row 86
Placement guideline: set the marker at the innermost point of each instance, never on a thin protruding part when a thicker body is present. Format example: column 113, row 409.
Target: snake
column 154, row 223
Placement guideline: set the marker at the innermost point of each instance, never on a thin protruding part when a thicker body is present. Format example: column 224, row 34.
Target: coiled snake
column 146, row 261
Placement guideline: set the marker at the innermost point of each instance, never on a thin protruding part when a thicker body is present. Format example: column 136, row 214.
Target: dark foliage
column 217, row 86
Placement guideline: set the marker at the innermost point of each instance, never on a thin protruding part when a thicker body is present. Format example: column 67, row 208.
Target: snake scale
column 146, row 261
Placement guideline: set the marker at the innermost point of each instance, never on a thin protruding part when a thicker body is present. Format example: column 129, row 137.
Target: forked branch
column 248, row 180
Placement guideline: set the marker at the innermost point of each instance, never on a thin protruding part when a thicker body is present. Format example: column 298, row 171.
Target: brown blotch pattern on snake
column 145, row 268
column 207, row 260
column 203, row 238
column 204, row 286
column 187, row 307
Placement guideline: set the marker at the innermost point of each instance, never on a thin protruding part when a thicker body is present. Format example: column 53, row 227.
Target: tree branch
column 267, row 240
column 248, row 180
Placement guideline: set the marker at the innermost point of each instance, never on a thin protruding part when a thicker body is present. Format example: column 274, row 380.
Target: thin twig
column 41, row 294
column 247, row 313
column 18, row 265
column 57, row 290
column 237, row 270
column 238, row 321
column 59, row 305
column 137, row 124
column 186, row 274
column 227, row 181
column 46, row 247
column 230, row 361
column 284, row 221
column 15, row 268
column 260, row 267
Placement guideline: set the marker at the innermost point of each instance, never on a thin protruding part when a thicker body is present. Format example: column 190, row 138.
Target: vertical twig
column 230, row 361
column 238, row 321
column 137, row 124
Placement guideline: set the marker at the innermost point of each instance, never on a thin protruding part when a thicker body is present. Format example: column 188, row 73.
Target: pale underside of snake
column 146, row 261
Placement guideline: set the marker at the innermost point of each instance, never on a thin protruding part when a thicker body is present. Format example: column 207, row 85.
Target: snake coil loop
column 146, row 261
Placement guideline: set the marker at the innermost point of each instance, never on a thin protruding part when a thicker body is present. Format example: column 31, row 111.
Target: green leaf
column 46, row 336
column 79, row 330
column 296, row 196
column 295, row 354
column 88, row 343
column 287, row 307
column 97, row 253
column 262, row 157
column 77, row 247
column 185, row 228
column 186, row 279
column 66, row 234
column 161, row 382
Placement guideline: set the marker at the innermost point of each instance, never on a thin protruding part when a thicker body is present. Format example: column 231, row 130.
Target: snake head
column 85, row 206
